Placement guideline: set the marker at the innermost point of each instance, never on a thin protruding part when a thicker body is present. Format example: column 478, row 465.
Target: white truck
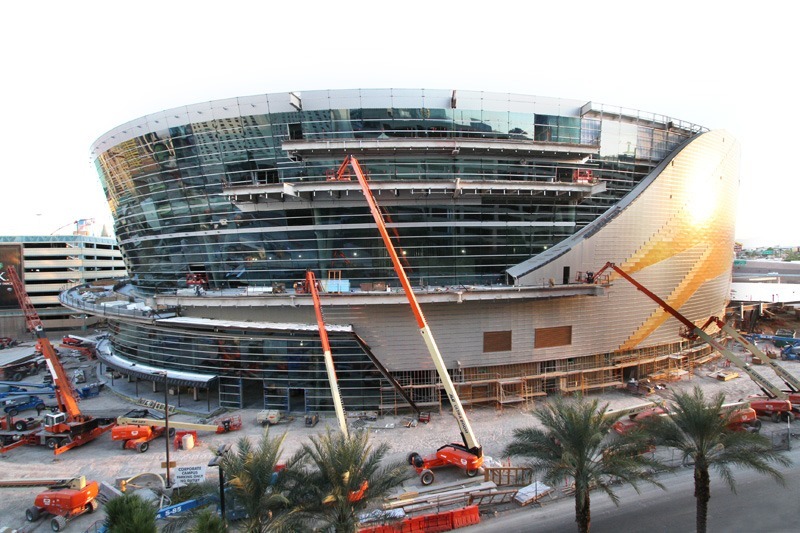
column 268, row 417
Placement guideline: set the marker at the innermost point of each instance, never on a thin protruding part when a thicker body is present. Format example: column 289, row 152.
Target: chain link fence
column 781, row 439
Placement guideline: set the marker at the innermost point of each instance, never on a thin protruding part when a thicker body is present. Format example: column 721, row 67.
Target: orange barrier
column 468, row 516
column 431, row 523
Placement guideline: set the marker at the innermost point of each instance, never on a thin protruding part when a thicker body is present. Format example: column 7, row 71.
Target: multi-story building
column 51, row 264
column 499, row 203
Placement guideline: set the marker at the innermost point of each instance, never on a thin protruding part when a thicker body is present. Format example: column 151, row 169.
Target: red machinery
column 304, row 286
column 83, row 346
column 778, row 404
column 582, row 175
column 467, row 456
column 742, row 418
column 7, row 342
column 65, row 502
column 68, row 428
column 312, row 286
column 137, row 437
column 197, row 279
column 18, row 424
column 627, row 424
column 138, row 432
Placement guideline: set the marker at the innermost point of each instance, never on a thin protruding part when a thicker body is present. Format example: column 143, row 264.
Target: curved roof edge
column 599, row 223
column 352, row 99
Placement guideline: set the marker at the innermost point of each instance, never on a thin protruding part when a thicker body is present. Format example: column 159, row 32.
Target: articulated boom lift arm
column 792, row 382
column 693, row 332
column 127, row 420
column 470, row 441
column 664, row 305
column 65, row 394
column 311, row 282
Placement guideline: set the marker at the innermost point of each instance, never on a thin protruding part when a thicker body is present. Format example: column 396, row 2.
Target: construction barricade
column 431, row 523
column 468, row 516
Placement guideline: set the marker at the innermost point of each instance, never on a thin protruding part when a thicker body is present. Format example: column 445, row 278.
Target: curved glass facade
column 204, row 194
column 288, row 365
column 497, row 203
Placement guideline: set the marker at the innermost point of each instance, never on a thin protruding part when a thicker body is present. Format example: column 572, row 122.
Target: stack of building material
column 440, row 497
column 532, row 493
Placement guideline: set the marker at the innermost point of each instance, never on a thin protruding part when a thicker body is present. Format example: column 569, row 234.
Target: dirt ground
column 104, row 460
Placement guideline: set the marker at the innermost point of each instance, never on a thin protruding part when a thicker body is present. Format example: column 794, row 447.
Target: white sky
column 73, row 70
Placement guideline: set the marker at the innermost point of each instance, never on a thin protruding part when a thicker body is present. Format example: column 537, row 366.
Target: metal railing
column 69, row 299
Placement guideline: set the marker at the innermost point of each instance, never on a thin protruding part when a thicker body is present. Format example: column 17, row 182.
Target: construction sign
column 10, row 256
column 186, row 475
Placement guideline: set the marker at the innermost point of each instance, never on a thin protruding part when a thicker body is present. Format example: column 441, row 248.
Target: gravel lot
column 103, row 460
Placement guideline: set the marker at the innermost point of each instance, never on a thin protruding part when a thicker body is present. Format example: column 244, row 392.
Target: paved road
column 760, row 505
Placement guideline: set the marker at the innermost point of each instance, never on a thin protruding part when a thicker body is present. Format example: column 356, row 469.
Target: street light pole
column 166, row 421
column 217, row 461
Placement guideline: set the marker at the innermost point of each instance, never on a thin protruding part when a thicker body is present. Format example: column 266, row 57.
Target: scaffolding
column 522, row 383
column 512, row 391
column 420, row 385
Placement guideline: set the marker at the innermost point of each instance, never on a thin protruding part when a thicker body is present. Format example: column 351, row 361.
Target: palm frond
column 339, row 467
column 574, row 443
column 698, row 429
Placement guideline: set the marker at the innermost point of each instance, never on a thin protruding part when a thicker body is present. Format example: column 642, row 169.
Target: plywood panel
column 550, row 337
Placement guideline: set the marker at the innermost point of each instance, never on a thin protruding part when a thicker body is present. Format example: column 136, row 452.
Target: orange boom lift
column 778, row 404
column 312, row 287
column 467, row 456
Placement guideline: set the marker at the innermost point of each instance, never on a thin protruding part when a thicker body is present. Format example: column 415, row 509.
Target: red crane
column 69, row 427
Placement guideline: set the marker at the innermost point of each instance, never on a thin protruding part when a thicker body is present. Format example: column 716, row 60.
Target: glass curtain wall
column 166, row 189
column 283, row 362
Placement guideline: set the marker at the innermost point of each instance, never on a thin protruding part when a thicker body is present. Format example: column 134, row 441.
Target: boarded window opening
column 496, row 341
column 549, row 337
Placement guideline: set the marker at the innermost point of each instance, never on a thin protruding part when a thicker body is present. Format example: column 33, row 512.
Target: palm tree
column 208, row 521
column 574, row 443
column 346, row 476
column 199, row 520
column 698, row 428
column 130, row 514
column 252, row 473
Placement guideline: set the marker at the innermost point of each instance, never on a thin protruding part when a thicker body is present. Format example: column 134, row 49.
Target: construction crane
column 80, row 225
column 467, row 456
column 312, row 286
column 778, row 404
column 69, row 427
